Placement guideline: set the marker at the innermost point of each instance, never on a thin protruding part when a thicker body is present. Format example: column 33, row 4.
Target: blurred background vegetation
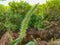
column 12, row 15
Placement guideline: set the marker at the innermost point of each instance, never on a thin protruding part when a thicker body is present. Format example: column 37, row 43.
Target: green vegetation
column 13, row 14
column 24, row 26
column 19, row 16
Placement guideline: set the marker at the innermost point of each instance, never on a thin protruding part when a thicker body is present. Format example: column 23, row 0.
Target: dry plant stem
column 6, row 39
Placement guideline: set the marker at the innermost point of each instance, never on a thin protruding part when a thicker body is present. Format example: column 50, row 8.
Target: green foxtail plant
column 24, row 26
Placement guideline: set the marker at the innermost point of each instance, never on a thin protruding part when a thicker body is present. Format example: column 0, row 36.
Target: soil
column 42, row 37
